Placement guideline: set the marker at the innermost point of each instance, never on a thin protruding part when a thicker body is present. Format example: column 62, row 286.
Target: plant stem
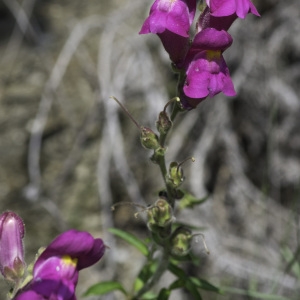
column 175, row 111
column 162, row 266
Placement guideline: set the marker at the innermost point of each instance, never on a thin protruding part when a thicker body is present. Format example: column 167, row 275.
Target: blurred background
column 68, row 152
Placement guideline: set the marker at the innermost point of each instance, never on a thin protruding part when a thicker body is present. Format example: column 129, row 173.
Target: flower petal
column 173, row 15
column 77, row 244
column 221, row 8
column 212, row 39
column 208, row 75
column 29, row 295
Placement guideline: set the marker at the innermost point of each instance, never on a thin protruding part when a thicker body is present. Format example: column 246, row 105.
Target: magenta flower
column 173, row 15
column 206, row 71
column 207, row 75
column 171, row 21
column 207, row 20
column 55, row 273
column 176, row 46
column 208, row 39
column 31, row 295
column 223, row 8
column 12, row 231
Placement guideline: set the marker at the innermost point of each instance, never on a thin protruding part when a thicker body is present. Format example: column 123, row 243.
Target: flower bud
column 176, row 176
column 160, row 214
column 149, row 139
column 181, row 241
column 160, row 218
column 163, row 124
column 12, row 231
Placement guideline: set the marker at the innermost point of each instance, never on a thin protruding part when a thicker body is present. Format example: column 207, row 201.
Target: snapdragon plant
column 196, row 56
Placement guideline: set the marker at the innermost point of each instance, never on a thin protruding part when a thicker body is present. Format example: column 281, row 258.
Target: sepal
column 181, row 241
column 149, row 139
column 163, row 124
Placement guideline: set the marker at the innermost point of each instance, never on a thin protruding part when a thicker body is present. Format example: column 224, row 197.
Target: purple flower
column 173, row 15
column 31, row 295
column 223, row 8
column 207, row 75
column 55, row 273
column 207, row 20
column 220, row 14
column 171, row 21
column 206, row 71
column 12, row 231
column 176, row 45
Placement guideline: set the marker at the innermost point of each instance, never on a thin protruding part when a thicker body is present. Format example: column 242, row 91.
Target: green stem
column 162, row 267
column 162, row 165
column 175, row 111
column 162, row 139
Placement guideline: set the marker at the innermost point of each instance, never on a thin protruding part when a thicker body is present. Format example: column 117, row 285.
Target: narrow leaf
column 149, row 296
column 189, row 201
column 177, row 271
column 193, row 290
column 105, row 288
column 188, row 284
column 253, row 294
column 204, row 285
column 164, row 294
column 292, row 260
column 131, row 239
column 179, row 283
column 145, row 274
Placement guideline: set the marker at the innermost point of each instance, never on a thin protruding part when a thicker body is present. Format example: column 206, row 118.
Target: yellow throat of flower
column 213, row 55
column 68, row 260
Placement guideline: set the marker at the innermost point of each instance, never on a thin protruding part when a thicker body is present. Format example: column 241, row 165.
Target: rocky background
column 68, row 153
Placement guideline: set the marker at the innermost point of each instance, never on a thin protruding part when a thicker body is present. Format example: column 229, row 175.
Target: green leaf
column 177, row 271
column 149, row 296
column 145, row 274
column 204, row 285
column 164, row 294
column 292, row 260
column 179, row 283
column 253, row 294
column 189, row 257
column 131, row 239
column 193, row 290
column 105, row 287
column 189, row 201
column 188, row 284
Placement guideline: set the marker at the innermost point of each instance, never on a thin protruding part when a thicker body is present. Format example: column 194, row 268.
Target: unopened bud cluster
column 160, row 223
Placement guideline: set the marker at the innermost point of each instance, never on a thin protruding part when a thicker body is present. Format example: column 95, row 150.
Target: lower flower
column 207, row 75
column 55, row 273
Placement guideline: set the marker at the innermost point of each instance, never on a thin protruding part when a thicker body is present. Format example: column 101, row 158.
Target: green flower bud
column 160, row 214
column 163, row 124
column 149, row 139
column 159, row 233
column 181, row 241
column 160, row 218
column 176, row 176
